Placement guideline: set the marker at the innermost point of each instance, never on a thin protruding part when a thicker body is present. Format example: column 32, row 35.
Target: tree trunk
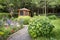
column 43, row 10
column 53, row 10
column 47, row 10
column 11, row 12
column 38, row 11
column 45, row 7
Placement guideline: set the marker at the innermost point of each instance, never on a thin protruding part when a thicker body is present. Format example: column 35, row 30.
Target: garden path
column 20, row 35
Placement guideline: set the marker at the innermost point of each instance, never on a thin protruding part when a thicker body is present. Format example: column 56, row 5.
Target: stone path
column 20, row 35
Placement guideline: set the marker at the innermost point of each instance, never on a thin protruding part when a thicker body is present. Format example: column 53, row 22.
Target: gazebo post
column 19, row 13
column 28, row 13
column 24, row 13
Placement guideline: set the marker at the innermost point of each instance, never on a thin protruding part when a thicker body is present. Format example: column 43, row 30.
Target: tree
column 33, row 5
column 53, row 4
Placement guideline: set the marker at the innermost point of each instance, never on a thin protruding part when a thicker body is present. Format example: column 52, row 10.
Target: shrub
column 40, row 27
column 5, row 31
column 4, row 14
column 24, row 19
column 1, row 33
column 52, row 17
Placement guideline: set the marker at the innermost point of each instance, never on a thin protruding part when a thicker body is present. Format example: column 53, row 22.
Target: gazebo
column 23, row 12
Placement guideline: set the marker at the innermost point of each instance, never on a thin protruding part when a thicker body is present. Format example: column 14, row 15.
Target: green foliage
column 5, row 31
column 4, row 15
column 55, row 34
column 24, row 19
column 15, row 4
column 40, row 27
column 1, row 7
column 52, row 17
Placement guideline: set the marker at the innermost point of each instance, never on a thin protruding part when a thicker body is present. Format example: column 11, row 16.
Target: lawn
column 56, row 23
column 55, row 33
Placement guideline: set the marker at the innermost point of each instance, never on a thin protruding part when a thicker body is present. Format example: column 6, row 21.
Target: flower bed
column 7, row 31
column 8, row 27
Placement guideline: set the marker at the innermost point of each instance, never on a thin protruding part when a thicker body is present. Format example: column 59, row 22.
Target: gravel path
column 20, row 35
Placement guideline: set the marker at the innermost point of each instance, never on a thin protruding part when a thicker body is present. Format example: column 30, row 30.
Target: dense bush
column 24, row 19
column 4, row 15
column 4, row 32
column 40, row 27
column 52, row 17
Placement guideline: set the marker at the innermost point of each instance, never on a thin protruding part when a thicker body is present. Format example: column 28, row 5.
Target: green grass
column 56, row 32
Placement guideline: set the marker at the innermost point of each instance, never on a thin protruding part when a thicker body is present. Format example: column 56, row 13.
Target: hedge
column 4, row 15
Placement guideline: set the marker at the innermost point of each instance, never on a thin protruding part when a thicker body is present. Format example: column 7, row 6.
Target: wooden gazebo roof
column 24, row 9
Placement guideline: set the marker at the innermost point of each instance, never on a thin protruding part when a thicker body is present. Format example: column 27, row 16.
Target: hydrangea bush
column 40, row 27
